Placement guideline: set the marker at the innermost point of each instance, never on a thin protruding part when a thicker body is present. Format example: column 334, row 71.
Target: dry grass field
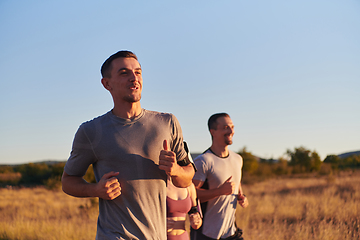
column 326, row 208
column 323, row 208
column 39, row 214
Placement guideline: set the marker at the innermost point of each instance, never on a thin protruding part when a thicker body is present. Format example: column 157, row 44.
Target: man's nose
column 133, row 76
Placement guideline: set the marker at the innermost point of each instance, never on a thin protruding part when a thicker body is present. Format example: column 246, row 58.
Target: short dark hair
column 212, row 122
column 106, row 67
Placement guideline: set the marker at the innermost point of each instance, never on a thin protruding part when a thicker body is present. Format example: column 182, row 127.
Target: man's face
column 125, row 83
column 224, row 131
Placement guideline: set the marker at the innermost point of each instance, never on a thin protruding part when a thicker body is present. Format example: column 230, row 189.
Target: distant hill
column 193, row 155
column 48, row 162
column 348, row 154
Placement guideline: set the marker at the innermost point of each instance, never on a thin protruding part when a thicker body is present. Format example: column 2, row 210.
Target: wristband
column 196, row 209
column 193, row 210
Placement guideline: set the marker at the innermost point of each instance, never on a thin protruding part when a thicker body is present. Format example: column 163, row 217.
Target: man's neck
column 220, row 151
column 128, row 111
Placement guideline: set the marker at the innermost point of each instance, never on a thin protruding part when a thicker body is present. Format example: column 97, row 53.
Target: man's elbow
column 181, row 183
column 186, row 179
column 66, row 184
column 63, row 182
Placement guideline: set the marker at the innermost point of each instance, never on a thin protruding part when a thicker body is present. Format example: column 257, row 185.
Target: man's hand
column 167, row 161
column 228, row 187
column 243, row 201
column 108, row 187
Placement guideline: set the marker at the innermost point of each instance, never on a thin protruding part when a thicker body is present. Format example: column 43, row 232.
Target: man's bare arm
column 205, row 195
column 184, row 176
column 107, row 188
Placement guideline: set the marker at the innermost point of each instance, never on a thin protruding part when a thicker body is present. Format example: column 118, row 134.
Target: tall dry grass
column 326, row 208
column 39, row 213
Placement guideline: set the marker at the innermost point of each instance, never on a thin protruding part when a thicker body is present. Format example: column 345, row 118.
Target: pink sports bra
column 178, row 208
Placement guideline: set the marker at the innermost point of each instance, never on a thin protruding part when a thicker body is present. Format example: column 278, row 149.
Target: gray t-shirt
column 132, row 148
column 219, row 218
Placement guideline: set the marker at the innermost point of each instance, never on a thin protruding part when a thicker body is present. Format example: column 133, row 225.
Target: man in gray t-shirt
column 218, row 183
column 132, row 151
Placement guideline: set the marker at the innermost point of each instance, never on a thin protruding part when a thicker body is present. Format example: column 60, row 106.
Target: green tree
column 6, row 169
column 250, row 162
column 333, row 160
column 34, row 173
column 352, row 161
column 57, row 169
column 315, row 161
column 281, row 167
column 303, row 160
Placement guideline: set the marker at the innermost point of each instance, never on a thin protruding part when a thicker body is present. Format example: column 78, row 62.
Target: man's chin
column 133, row 99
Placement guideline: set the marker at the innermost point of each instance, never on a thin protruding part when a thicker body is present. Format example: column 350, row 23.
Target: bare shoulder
column 192, row 190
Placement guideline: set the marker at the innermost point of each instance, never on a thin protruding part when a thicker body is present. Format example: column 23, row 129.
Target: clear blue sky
column 287, row 72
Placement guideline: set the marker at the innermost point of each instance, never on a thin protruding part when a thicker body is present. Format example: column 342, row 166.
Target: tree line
column 33, row 174
column 301, row 161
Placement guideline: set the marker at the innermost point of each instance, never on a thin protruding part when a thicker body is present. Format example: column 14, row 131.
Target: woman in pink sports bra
column 179, row 202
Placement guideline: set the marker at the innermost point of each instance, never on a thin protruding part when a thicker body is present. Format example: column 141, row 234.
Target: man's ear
column 105, row 83
column 212, row 132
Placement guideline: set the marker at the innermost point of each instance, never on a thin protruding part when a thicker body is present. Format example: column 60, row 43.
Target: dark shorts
column 197, row 235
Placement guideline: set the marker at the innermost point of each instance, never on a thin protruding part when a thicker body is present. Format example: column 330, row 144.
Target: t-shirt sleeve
column 177, row 145
column 201, row 167
column 81, row 156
